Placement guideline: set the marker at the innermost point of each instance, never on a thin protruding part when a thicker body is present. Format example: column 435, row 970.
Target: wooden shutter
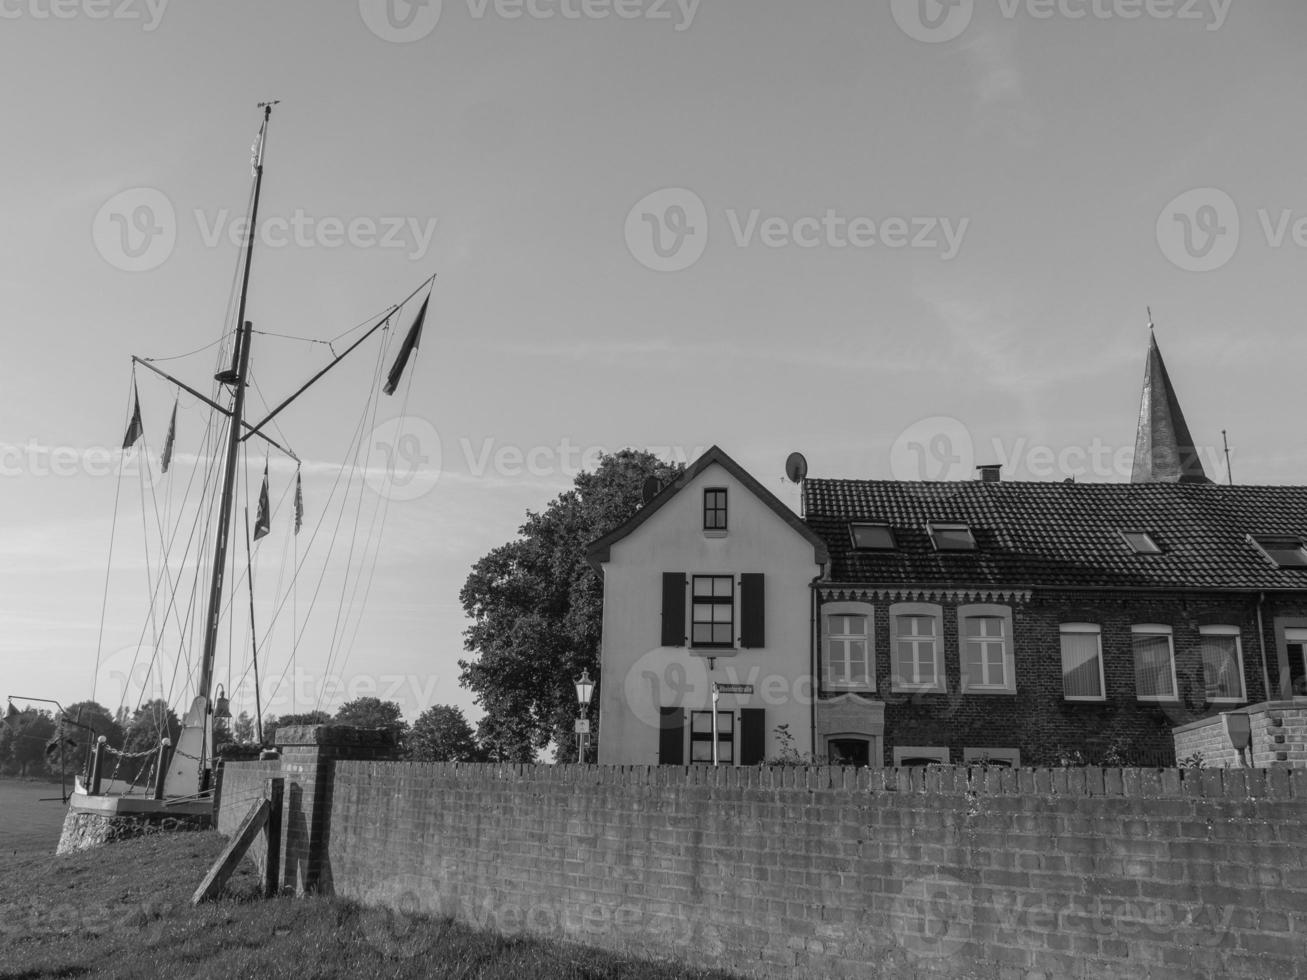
column 752, row 618
column 753, row 736
column 671, row 737
column 673, row 609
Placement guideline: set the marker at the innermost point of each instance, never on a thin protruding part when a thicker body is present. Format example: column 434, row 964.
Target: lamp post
column 584, row 691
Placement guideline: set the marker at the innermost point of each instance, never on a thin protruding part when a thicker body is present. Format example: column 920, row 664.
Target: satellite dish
column 650, row 489
column 796, row 468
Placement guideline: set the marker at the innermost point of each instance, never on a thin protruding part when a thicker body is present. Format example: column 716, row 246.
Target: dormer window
column 1141, row 542
column 872, row 537
column 951, row 537
column 1284, row 550
column 714, row 509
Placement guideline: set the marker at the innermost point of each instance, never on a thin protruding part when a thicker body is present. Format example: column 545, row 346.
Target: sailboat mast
column 236, row 378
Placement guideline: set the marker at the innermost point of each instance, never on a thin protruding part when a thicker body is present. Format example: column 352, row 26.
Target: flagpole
column 236, row 379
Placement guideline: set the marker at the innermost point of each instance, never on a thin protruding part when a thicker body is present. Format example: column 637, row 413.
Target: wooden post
column 161, row 768
column 240, row 843
column 272, row 867
column 97, row 765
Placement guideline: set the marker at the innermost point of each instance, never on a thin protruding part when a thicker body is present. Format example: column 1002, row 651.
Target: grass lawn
column 124, row 911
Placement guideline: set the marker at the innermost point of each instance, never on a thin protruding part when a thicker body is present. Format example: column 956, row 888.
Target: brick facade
column 1277, row 737
column 1037, row 720
column 871, row 873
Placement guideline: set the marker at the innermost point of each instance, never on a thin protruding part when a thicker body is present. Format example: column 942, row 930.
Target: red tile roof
column 1062, row 534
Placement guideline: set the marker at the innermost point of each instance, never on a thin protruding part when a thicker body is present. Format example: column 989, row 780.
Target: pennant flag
column 13, row 716
column 167, row 443
column 262, row 524
column 134, row 428
column 406, row 350
column 299, row 504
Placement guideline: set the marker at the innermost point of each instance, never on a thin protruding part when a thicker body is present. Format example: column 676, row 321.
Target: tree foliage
column 151, row 722
column 369, row 712
column 442, row 734
column 85, row 722
column 536, row 607
column 23, row 741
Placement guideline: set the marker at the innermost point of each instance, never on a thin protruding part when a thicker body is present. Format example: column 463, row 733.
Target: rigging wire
column 113, row 528
column 198, row 350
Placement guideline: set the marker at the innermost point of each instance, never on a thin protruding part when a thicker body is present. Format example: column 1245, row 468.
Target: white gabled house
column 707, row 591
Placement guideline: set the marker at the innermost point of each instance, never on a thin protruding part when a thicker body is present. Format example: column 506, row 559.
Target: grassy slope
column 124, row 911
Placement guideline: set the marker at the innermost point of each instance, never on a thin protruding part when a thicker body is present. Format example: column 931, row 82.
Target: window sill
column 713, row 651
column 1227, row 701
column 1168, row 701
column 1001, row 691
column 835, row 689
column 1096, row 700
column 714, row 534
column 918, row 689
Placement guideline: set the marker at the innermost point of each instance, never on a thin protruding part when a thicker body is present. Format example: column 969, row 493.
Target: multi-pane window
column 714, row 509
column 849, row 751
column 1082, row 662
column 916, row 651
column 848, row 651
column 984, row 651
column 1284, row 550
column 1154, row 663
column 1295, row 649
column 701, row 737
column 872, row 537
column 1222, row 662
column 712, row 620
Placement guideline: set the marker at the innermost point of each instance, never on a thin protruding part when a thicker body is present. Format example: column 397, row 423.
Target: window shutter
column 673, row 609
column 753, row 736
column 752, row 617
column 671, row 737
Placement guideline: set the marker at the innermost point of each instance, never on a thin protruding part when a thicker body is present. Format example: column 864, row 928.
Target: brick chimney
column 990, row 472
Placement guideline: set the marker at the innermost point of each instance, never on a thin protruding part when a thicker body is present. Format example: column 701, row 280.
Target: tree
column 244, row 728
column 85, row 722
column 536, row 607
column 151, row 722
column 23, row 741
column 370, row 713
column 442, row 734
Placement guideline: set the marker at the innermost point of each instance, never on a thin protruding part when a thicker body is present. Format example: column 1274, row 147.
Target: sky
column 904, row 238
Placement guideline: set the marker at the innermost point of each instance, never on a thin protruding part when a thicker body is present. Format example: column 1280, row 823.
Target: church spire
column 1164, row 449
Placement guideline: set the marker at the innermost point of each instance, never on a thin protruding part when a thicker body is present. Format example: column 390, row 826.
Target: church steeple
column 1164, row 449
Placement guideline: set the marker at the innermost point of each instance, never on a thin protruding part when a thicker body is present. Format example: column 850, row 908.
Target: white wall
column 639, row 675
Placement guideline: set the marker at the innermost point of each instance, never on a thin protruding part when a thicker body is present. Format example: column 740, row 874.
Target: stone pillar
column 308, row 757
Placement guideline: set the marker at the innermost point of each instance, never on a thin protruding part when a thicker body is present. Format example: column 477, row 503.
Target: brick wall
column 1278, row 731
column 1159, row 875
column 1037, row 720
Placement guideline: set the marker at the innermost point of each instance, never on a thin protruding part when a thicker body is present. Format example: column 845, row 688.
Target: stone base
column 83, row 831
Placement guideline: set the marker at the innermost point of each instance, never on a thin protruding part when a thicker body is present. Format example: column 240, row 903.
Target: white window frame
column 1011, row 756
column 848, row 609
column 1204, row 631
column 987, row 611
column 937, row 752
column 925, row 610
column 1097, row 632
column 1155, row 629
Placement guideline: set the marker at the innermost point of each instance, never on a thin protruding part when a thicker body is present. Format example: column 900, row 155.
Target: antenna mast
column 1229, row 473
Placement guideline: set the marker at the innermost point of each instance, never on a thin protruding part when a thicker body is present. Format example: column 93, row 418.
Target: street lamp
column 584, row 691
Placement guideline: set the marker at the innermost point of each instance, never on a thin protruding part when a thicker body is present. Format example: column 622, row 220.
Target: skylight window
column 1284, row 550
column 872, row 537
column 1141, row 542
column 951, row 537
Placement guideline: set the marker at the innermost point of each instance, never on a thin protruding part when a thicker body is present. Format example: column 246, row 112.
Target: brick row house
column 904, row 623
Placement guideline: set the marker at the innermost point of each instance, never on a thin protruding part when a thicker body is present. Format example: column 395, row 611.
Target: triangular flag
column 299, row 504
column 12, row 716
column 406, row 350
column 167, row 443
column 262, row 524
column 134, row 428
